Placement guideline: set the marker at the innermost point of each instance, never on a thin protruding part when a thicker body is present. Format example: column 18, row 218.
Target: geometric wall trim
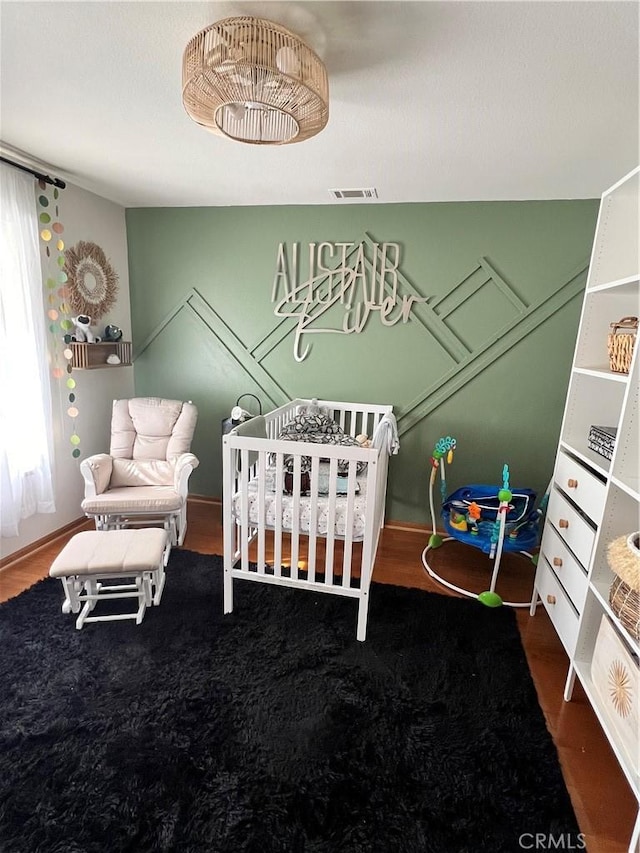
column 468, row 363
column 210, row 320
column 438, row 316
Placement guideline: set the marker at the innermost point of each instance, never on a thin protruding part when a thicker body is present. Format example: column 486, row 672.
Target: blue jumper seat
column 522, row 521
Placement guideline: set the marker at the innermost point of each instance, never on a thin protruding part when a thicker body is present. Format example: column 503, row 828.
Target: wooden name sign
column 342, row 277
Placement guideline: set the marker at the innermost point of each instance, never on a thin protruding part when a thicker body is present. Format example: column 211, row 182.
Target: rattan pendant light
column 254, row 81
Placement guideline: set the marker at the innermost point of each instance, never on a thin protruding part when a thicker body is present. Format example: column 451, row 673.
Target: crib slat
column 366, row 424
column 277, row 530
column 349, row 422
column 353, row 426
column 331, row 523
column 373, row 511
column 229, row 526
column 262, row 459
column 358, row 417
column 295, row 516
column 369, row 546
column 348, row 524
column 313, row 519
column 244, row 509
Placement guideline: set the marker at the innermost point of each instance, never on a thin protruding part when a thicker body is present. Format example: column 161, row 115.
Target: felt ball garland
column 57, row 305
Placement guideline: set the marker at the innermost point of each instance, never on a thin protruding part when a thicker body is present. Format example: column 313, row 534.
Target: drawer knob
column 557, row 561
column 563, row 523
column 572, row 484
column 551, row 599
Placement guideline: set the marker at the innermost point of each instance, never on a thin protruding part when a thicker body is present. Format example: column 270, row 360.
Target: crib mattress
column 304, row 513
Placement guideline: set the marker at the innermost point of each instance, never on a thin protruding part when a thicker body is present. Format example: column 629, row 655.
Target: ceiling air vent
column 349, row 195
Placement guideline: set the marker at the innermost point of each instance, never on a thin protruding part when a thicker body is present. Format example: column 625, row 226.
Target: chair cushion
column 151, row 428
column 141, row 472
column 141, row 499
column 111, row 552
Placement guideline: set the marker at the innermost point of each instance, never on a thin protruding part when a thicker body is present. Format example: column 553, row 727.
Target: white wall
column 85, row 217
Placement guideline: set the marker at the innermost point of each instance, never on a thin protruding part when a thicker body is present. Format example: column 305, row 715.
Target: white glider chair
column 143, row 480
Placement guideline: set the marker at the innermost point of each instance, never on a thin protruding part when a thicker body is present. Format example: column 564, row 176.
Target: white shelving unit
column 595, row 500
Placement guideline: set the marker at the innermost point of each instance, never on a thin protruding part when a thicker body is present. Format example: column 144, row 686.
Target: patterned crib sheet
column 317, row 428
column 304, row 519
column 324, row 481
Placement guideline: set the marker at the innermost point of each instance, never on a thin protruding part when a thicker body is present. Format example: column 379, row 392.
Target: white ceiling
column 430, row 101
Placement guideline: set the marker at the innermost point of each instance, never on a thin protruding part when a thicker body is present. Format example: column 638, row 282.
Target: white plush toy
column 83, row 330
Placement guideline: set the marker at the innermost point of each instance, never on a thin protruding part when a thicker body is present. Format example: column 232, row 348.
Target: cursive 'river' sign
column 343, row 284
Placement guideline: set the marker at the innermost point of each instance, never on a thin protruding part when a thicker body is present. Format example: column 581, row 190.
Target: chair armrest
column 184, row 465
column 96, row 471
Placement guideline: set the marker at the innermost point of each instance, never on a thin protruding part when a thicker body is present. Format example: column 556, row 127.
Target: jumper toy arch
column 493, row 519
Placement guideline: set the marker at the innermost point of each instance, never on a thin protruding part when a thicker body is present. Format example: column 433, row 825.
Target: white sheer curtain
column 25, row 397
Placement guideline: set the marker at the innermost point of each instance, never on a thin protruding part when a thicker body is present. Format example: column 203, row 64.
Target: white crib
column 319, row 541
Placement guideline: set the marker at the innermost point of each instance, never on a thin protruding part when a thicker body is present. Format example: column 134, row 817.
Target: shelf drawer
column 558, row 606
column 583, row 487
column 564, row 565
column 571, row 526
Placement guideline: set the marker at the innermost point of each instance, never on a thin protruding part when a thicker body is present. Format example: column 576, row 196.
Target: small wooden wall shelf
column 94, row 356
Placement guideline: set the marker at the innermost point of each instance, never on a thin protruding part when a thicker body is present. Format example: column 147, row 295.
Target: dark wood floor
column 603, row 802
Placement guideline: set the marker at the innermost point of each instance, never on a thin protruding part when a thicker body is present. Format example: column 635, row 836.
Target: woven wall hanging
column 93, row 283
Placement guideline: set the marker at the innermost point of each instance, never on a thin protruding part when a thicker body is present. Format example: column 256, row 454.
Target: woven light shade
column 254, row 81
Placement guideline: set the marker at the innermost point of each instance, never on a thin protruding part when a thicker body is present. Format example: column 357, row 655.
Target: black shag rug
column 272, row 729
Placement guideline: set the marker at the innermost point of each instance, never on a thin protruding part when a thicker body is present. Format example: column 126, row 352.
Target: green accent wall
column 486, row 359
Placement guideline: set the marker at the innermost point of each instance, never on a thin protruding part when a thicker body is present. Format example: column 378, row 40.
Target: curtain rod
column 46, row 178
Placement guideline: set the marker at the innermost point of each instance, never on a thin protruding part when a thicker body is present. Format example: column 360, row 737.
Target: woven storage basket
column 625, row 603
column 620, row 343
column 623, row 556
